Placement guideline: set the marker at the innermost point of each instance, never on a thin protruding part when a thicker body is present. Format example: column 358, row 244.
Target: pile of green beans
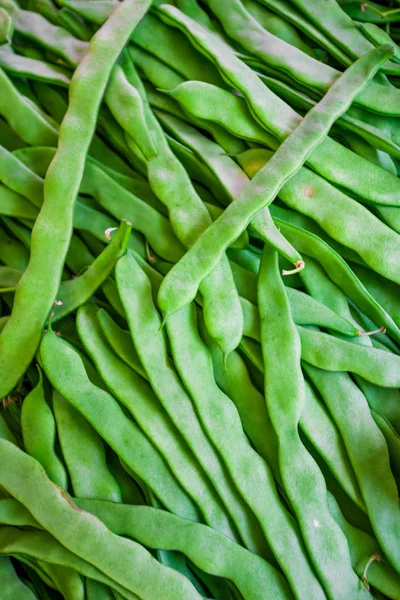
column 199, row 300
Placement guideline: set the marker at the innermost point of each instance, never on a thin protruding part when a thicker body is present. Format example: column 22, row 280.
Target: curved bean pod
column 39, row 433
column 189, row 218
column 290, row 156
column 12, row 586
column 333, row 354
column 54, row 224
column 84, row 454
column 222, row 558
column 151, row 345
column 85, row 534
column 341, row 274
column 111, row 423
column 365, row 446
column 303, row 481
column 232, row 179
column 139, row 399
column 223, row 425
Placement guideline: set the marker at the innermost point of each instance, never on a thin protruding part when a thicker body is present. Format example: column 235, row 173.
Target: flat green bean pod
column 189, row 218
column 139, row 399
column 232, row 179
column 341, row 274
column 82, row 446
column 120, row 432
column 333, row 354
column 301, row 476
column 40, row 548
column 151, row 345
column 332, row 160
column 12, row 586
column 60, row 193
column 85, row 535
column 39, row 433
column 30, row 124
column 290, row 156
column 365, row 446
column 21, row 66
column 206, row 548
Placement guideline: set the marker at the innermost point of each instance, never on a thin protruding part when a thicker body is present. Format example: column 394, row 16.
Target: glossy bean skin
column 121, row 433
column 81, row 446
column 288, row 159
column 240, row 25
column 59, row 197
column 303, row 483
column 144, row 323
column 39, row 433
column 362, row 443
column 139, row 399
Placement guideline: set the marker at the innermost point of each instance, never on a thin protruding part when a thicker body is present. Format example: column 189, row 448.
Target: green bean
column 300, row 67
column 82, row 448
column 29, row 124
column 130, row 490
column 362, row 547
column 301, row 476
column 341, row 274
column 189, row 218
column 97, row 591
column 12, row 586
column 277, row 26
column 139, row 308
column 376, row 366
column 67, row 581
column 233, row 377
column 44, row 550
column 311, row 195
column 296, row 18
column 59, row 195
column 384, row 291
column 337, row 25
column 111, row 423
column 85, row 535
column 203, row 100
column 159, row 73
column 15, row 205
column 39, row 433
column 120, row 341
column 137, row 396
column 12, row 252
column 124, row 100
column 137, row 304
column 232, row 178
column 222, row 558
column 332, row 160
column 365, row 446
column 75, row 292
column 8, row 138
column 202, row 257
column 5, row 431
column 20, row 66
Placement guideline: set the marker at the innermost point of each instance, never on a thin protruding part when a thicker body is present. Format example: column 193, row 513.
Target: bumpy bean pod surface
column 199, row 300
